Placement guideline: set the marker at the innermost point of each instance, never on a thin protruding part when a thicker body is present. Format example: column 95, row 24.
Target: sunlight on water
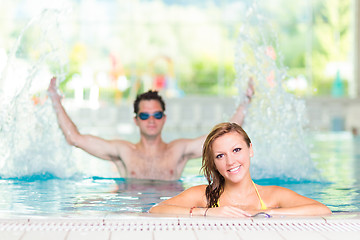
column 276, row 119
column 30, row 139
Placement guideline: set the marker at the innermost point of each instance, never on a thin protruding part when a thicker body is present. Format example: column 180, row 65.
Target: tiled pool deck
column 342, row 226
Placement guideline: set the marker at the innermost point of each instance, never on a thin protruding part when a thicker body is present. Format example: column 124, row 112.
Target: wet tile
column 346, row 216
column 213, row 234
column 88, row 235
column 341, row 235
column 174, row 235
column 45, row 235
column 115, row 235
column 301, row 235
column 268, row 235
column 11, row 235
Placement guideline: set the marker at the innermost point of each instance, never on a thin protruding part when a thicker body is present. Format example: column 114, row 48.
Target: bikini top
column 263, row 205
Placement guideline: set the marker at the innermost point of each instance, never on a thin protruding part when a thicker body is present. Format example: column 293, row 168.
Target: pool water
column 88, row 196
column 336, row 155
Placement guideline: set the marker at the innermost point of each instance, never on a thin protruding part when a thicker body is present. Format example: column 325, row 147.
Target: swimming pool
column 335, row 154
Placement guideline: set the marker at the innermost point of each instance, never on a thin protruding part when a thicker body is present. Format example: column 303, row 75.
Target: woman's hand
column 227, row 211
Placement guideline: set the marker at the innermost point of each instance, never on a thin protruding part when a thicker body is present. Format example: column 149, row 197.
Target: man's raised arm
column 240, row 112
column 96, row 146
column 193, row 147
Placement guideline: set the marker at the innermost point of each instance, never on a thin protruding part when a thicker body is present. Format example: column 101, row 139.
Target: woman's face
column 232, row 156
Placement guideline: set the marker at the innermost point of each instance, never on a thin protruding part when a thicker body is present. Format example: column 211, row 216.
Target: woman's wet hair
column 149, row 95
column 215, row 179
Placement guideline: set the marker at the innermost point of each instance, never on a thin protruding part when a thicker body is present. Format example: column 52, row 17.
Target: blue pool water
column 336, row 155
column 31, row 142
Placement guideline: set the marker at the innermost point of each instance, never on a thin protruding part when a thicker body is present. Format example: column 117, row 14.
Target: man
column 151, row 157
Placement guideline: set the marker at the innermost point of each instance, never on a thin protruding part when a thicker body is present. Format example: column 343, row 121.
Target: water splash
column 276, row 119
column 30, row 139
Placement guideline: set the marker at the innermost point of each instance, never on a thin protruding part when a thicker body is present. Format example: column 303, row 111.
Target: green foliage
column 205, row 77
column 313, row 39
column 199, row 42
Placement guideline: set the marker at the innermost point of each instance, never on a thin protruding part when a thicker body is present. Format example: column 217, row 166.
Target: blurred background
column 105, row 52
column 115, row 49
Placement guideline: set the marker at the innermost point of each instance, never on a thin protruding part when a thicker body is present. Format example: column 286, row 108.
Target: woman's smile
column 235, row 169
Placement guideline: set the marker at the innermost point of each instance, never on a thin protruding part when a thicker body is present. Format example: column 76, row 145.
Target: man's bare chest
column 159, row 166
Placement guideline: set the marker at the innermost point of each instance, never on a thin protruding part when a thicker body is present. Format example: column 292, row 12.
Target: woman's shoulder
column 197, row 193
column 198, row 188
column 274, row 190
column 273, row 195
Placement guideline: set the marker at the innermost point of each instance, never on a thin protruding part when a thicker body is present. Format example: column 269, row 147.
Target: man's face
column 152, row 126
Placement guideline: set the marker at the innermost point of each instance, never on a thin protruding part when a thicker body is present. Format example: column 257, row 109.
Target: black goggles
column 145, row 116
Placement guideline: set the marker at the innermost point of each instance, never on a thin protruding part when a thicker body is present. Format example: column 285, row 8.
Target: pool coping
column 343, row 222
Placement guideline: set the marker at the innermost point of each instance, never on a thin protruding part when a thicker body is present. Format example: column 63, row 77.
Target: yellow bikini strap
column 263, row 205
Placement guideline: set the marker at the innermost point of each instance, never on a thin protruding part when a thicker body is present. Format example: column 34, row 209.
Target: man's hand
column 250, row 91
column 53, row 90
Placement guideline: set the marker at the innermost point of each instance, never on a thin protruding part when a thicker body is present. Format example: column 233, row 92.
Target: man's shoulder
column 180, row 142
column 123, row 144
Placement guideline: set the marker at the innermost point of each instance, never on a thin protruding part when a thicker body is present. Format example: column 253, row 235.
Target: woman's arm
column 291, row 203
column 190, row 202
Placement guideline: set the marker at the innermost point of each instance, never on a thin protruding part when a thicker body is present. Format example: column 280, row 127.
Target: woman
column 231, row 191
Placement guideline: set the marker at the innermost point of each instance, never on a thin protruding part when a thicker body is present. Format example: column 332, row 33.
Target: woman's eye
column 237, row 149
column 219, row 155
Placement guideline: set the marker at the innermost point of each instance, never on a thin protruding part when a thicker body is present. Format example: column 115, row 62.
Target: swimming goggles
column 145, row 116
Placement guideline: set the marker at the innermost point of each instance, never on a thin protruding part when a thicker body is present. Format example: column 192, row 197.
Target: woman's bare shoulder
column 194, row 196
column 274, row 189
column 197, row 189
column 275, row 194
column 197, row 192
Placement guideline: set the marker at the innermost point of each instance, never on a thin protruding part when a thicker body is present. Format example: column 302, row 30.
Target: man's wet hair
column 149, row 95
